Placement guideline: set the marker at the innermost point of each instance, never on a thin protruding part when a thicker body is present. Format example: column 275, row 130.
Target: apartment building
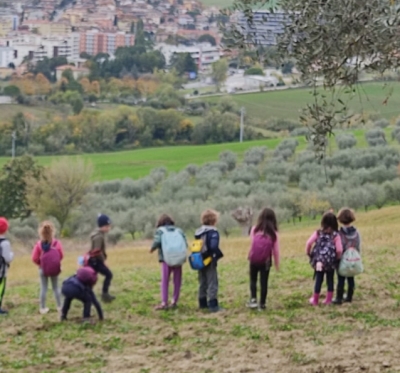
column 266, row 27
column 48, row 28
column 8, row 22
column 94, row 42
column 37, row 47
column 204, row 54
column 6, row 56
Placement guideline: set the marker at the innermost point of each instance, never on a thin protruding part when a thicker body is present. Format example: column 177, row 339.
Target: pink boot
column 314, row 299
column 328, row 299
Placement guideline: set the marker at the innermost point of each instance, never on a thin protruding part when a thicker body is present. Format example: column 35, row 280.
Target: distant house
column 77, row 72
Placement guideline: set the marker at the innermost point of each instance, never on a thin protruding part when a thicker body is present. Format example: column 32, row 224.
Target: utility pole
column 14, row 136
column 242, row 112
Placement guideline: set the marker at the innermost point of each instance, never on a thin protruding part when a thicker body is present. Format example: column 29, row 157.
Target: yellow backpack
column 196, row 260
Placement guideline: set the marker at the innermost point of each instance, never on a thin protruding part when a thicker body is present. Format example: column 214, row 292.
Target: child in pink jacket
column 324, row 248
column 47, row 255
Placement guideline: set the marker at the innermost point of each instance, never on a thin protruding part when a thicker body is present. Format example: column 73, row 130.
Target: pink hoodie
column 275, row 249
column 338, row 244
column 37, row 251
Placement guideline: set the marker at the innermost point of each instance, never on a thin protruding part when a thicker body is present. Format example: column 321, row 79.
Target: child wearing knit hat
column 97, row 255
column 6, row 257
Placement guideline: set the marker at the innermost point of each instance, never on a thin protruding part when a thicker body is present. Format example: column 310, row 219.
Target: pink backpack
column 50, row 261
column 87, row 275
column 261, row 249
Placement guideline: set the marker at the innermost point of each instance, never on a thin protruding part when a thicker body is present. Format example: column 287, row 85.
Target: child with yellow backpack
column 204, row 258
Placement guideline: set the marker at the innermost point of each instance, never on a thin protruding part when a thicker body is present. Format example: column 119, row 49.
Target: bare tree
column 61, row 188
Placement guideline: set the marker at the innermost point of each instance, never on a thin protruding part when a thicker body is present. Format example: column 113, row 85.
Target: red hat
column 3, row 225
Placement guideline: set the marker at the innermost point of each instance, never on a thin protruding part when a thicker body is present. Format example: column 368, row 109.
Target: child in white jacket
column 6, row 257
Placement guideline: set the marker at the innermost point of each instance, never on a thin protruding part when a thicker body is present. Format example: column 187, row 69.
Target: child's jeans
column 319, row 279
column 43, row 289
column 165, row 276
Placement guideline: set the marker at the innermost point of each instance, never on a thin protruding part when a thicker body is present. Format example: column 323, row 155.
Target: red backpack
column 261, row 249
column 50, row 261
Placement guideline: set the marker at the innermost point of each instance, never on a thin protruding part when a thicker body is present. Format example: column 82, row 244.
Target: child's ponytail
column 47, row 231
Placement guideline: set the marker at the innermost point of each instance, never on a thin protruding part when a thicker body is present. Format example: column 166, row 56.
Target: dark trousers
column 342, row 280
column 71, row 292
column 208, row 283
column 3, row 281
column 101, row 268
column 319, row 279
column 264, row 275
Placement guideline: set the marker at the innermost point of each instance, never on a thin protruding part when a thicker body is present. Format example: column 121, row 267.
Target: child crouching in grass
column 80, row 287
column 208, row 276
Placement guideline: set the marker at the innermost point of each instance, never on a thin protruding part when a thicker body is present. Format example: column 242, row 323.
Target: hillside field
column 287, row 103
column 290, row 337
column 139, row 163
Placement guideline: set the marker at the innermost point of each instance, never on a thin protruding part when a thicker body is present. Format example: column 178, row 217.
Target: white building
column 265, row 28
column 204, row 54
column 6, row 56
column 38, row 47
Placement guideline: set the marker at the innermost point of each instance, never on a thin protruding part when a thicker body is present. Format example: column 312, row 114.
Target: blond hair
column 47, row 231
column 209, row 217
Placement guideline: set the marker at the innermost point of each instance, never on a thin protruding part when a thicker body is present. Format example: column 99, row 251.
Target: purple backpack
column 261, row 249
column 50, row 261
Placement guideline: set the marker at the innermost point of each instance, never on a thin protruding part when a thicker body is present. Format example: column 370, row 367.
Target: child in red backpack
column 326, row 251
column 47, row 255
column 264, row 247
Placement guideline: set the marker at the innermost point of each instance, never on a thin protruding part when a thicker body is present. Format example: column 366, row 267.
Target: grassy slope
column 287, row 104
column 138, row 163
column 219, row 3
column 289, row 337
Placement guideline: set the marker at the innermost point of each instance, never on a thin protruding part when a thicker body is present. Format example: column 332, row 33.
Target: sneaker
column 262, row 307
column 107, row 298
column 59, row 309
column 252, row 304
column 161, row 307
column 3, row 312
column 63, row 318
column 43, row 311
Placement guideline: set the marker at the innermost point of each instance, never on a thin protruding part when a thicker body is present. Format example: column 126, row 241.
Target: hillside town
column 34, row 30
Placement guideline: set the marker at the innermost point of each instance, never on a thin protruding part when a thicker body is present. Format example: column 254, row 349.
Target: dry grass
column 289, row 337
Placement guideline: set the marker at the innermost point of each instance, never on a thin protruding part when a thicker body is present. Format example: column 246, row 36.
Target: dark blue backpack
column 324, row 251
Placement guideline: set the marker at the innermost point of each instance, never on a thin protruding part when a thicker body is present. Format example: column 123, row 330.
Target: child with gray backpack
column 171, row 244
column 350, row 240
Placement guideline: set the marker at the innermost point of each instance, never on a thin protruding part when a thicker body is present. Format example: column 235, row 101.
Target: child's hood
column 46, row 246
column 203, row 230
column 349, row 232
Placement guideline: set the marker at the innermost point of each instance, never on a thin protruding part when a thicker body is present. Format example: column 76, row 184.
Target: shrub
column 229, row 158
column 254, row 71
column 255, row 156
column 245, row 174
column 115, row 235
column 345, row 141
column 301, row 131
column 381, row 123
column 192, row 169
column 24, row 233
column 226, row 224
column 396, row 133
column 376, row 137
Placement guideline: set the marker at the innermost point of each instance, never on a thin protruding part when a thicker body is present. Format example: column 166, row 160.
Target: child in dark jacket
column 98, row 255
column 80, row 286
column 208, row 276
column 350, row 238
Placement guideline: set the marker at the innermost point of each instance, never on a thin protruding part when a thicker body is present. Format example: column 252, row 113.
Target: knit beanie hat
column 3, row 225
column 103, row 220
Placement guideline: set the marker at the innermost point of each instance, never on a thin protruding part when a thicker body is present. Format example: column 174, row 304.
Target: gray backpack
column 3, row 264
